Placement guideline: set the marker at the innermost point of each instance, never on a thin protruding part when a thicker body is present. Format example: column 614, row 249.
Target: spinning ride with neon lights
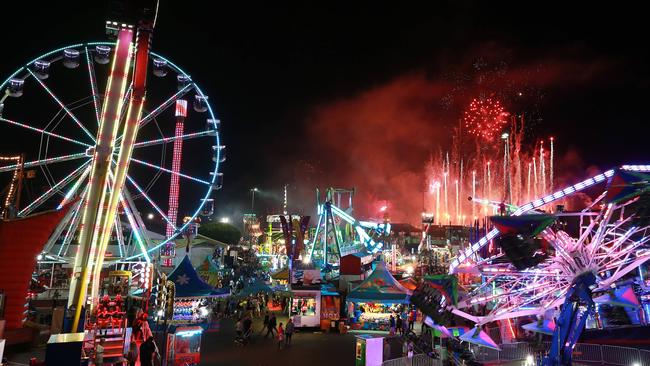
column 610, row 241
column 55, row 101
column 339, row 233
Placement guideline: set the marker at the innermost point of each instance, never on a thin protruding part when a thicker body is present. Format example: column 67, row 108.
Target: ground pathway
column 308, row 348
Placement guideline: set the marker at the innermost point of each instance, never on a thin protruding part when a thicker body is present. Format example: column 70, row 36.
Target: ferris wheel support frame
column 93, row 210
column 133, row 114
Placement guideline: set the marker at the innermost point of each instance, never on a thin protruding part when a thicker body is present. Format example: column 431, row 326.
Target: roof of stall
column 380, row 287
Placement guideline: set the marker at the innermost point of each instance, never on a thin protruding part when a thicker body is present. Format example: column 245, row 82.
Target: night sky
column 330, row 95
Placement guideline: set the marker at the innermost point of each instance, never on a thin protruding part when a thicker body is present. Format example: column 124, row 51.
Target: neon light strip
column 67, row 179
column 151, row 202
column 166, row 104
column 74, row 188
column 34, row 163
column 172, row 212
column 637, row 168
column 93, row 84
column 73, row 223
column 44, row 132
column 58, row 101
column 170, row 171
column 134, row 229
column 527, row 207
column 166, row 140
column 118, row 235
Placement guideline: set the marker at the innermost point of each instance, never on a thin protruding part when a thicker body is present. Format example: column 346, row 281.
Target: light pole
column 253, row 190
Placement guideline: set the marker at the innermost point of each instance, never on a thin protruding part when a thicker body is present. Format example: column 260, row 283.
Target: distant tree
column 225, row 233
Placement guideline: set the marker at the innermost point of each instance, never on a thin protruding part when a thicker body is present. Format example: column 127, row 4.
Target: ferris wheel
column 50, row 110
column 598, row 246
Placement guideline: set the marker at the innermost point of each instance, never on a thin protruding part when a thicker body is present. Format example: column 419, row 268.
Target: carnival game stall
column 193, row 296
column 379, row 296
column 184, row 346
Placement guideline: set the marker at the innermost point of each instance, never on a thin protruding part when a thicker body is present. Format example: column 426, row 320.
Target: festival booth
column 193, row 296
column 209, row 272
column 330, row 308
column 371, row 303
column 184, row 346
column 280, row 279
column 305, row 306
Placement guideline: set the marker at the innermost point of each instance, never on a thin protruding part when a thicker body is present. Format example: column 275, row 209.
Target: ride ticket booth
column 369, row 350
column 184, row 346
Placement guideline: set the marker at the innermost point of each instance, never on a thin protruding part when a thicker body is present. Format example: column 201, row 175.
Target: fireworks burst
column 485, row 117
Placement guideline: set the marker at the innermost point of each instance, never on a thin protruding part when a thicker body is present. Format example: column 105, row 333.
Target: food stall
column 371, row 303
column 305, row 308
column 184, row 346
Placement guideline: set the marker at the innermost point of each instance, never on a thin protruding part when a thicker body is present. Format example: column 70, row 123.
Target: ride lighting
column 159, row 67
column 70, row 58
column 102, row 54
column 189, row 333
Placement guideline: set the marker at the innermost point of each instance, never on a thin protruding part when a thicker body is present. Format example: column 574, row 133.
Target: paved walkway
column 308, row 348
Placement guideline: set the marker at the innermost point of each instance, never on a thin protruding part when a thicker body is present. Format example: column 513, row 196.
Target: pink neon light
column 181, row 113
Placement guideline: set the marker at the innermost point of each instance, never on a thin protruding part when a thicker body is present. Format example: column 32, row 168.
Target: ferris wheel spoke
column 63, row 106
column 170, row 171
column 117, row 224
column 166, row 140
column 69, row 235
column 31, row 164
column 166, row 104
column 15, row 123
column 151, row 202
column 68, row 196
column 93, row 84
column 54, row 189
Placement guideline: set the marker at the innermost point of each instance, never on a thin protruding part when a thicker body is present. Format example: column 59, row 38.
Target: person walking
column 132, row 355
column 265, row 322
column 280, row 336
column 248, row 324
column 271, row 326
column 411, row 319
column 288, row 331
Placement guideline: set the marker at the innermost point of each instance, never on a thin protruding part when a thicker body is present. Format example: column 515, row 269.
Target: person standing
column 405, row 323
column 147, row 350
column 99, row 353
column 280, row 336
column 239, row 328
column 411, row 319
column 392, row 325
column 399, row 325
column 132, row 355
column 288, row 331
column 271, row 326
